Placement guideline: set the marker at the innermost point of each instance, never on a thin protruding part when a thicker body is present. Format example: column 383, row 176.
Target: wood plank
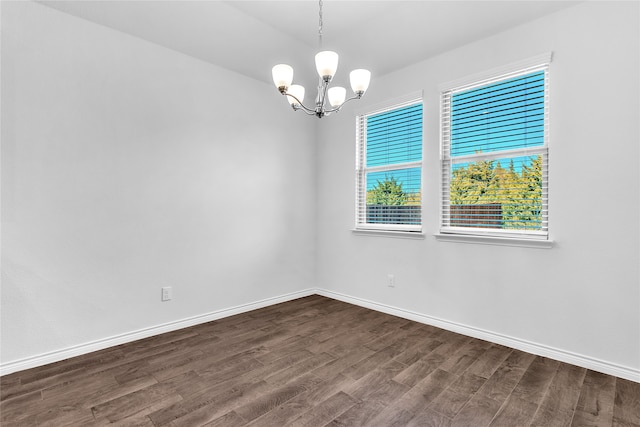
column 293, row 408
column 396, row 417
column 135, row 421
column 419, row 350
column 385, row 393
column 68, row 394
column 230, row 419
column 13, row 409
column 390, row 324
column 500, row 385
column 134, row 403
column 70, row 366
column 325, row 411
column 596, row 401
column 349, row 322
column 9, row 382
column 269, row 401
column 283, row 363
column 299, row 369
column 533, row 385
column 380, row 357
column 478, row 412
column 342, row 341
column 418, row 397
column 627, row 402
column 56, row 416
column 291, row 345
column 400, row 332
column 454, row 397
column 346, row 358
column 220, row 370
column 131, row 355
column 428, row 418
column 487, row 401
column 369, row 383
column 460, row 359
column 487, row 363
column 207, row 407
column 372, row 404
column 556, row 408
column 419, row 370
column 106, row 394
column 43, row 383
column 359, row 414
column 514, row 412
column 431, row 361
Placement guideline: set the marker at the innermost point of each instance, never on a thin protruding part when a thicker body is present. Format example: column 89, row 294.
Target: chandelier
column 326, row 65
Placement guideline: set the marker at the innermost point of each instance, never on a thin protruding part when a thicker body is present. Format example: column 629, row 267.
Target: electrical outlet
column 391, row 280
column 166, row 293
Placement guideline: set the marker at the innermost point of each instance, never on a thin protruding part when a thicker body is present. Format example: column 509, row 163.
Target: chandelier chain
column 320, row 22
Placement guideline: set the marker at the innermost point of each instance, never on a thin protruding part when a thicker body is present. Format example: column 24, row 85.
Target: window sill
column 501, row 241
column 387, row 233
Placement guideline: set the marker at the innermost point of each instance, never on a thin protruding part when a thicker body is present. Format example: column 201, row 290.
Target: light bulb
column 337, row 95
column 327, row 63
column 298, row 92
column 360, row 80
column 282, row 75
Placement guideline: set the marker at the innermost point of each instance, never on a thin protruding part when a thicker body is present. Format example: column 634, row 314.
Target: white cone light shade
column 298, row 92
column 282, row 75
column 360, row 80
column 337, row 95
column 327, row 63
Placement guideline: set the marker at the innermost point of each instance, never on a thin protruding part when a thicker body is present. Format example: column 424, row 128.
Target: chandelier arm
column 307, row 110
column 320, row 111
column 358, row 95
column 299, row 105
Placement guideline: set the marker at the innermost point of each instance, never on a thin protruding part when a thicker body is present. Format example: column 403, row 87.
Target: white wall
column 581, row 297
column 127, row 167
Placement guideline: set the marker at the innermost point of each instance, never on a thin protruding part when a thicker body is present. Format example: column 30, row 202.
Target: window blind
column 495, row 156
column 389, row 168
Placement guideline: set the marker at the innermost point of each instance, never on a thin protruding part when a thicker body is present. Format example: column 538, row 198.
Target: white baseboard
column 530, row 347
column 78, row 350
column 519, row 344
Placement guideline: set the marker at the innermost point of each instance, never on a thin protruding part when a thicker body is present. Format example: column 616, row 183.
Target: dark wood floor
column 315, row 362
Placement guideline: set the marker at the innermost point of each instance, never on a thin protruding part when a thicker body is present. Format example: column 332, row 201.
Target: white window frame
column 536, row 238
column 361, row 169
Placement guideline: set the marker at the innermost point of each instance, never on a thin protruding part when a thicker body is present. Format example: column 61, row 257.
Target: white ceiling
column 251, row 36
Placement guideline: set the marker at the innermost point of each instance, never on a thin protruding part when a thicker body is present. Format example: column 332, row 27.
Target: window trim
column 387, row 230
column 493, row 240
column 386, row 233
column 484, row 77
column 529, row 238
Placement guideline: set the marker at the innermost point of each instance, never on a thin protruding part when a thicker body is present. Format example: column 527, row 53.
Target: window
column 494, row 156
column 389, row 168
